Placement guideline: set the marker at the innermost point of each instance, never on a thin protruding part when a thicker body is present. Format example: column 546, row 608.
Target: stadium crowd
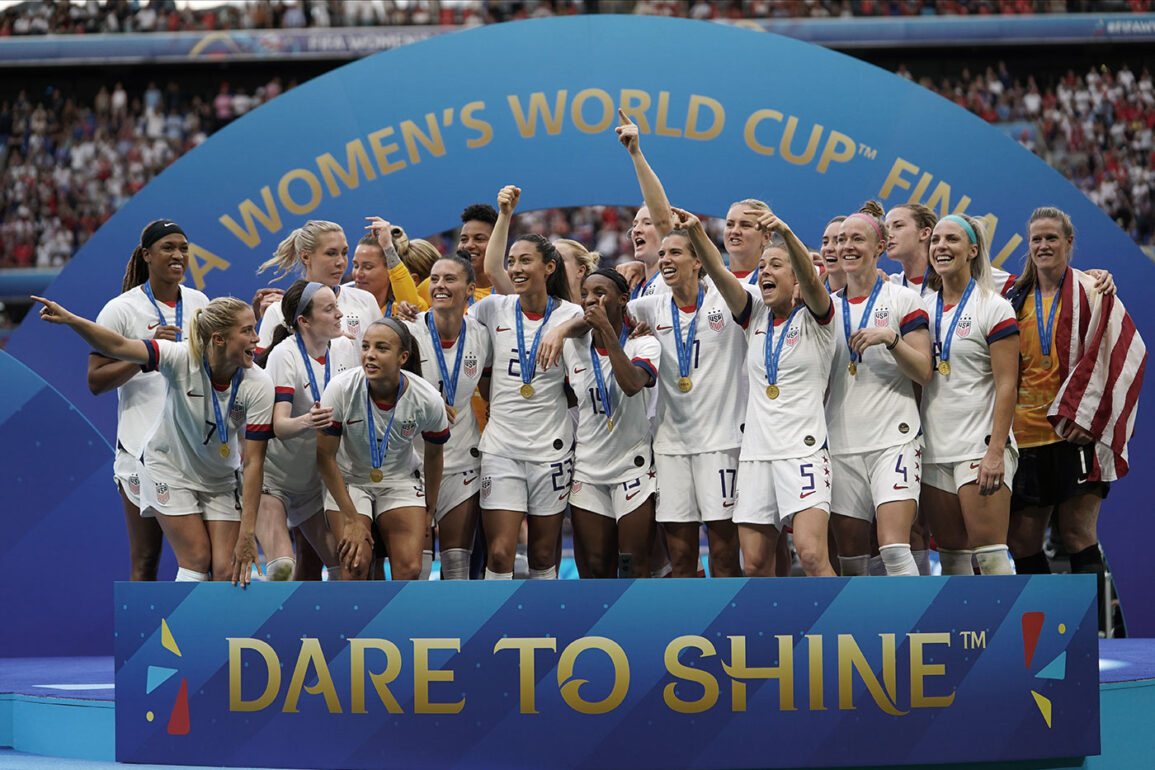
column 63, row 17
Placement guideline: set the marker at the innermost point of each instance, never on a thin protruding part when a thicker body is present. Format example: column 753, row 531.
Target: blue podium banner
column 798, row 672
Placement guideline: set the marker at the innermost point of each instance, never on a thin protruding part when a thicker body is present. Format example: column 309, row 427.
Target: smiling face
column 526, row 268
column 906, row 239
column 1050, row 247
column 449, row 286
column 951, row 250
column 858, row 246
column 238, row 345
column 677, row 262
column 369, row 271
column 829, row 249
column 168, row 258
column 776, row 279
column 644, row 237
column 597, row 289
column 474, row 238
column 382, row 354
column 326, row 264
column 323, row 317
column 744, row 241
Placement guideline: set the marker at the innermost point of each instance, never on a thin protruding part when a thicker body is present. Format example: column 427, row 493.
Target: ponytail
column 289, row 304
column 136, row 271
column 302, row 240
column 217, row 317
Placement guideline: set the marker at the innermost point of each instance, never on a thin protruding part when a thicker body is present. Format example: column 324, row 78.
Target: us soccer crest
column 408, row 428
column 134, row 484
column 881, row 317
column 964, row 327
column 353, row 324
column 486, row 485
column 238, row 412
column 716, row 319
column 792, row 336
column 470, row 365
column 161, row 492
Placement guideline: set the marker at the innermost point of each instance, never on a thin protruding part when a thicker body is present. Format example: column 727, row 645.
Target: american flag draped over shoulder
column 1101, row 363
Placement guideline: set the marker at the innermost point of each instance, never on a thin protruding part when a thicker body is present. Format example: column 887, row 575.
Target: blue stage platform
column 59, row 712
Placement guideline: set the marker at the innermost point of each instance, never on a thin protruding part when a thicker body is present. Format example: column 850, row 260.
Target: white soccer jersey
column 650, row 286
column 184, row 444
column 707, row 418
column 794, row 423
column 419, row 413
column 291, row 464
column 139, row 400
column 358, row 307
column 536, row 429
column 958, row 409
column 461, row 453
column 874, row 408
column 606, row 456
column 1002, row 280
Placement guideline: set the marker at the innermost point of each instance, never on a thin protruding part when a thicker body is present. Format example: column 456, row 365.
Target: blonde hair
column 217, row 317
column 874, row 210
column 980, row 266
column 305, row 238
column 1030, row 277
column 585, row 258
column 751, row 203
column 419, row 257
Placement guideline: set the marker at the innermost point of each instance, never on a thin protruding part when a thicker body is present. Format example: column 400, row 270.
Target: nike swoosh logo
column 503, row 328
column 974, row 465
column 350, row 422
column 153, row 326
column 758, row 332
column 190, row 394
column 632, row 495
column 563, row 497
column 579, row 371
column 896, row 486
column 806, row 494
column 664, row 328
column 728, row 505
column 469, row 480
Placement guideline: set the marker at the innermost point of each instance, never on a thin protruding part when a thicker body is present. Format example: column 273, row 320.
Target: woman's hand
column 627, row 132
column 684, row 220
column 317, row 417
column 598, row 320
column 871, row 335
column 244, row 557
column 355, row 546
column 382, row 231
column 265, row 297
column 54, row 313
column 634, row 273
column 507, row 199
column 991, row 471
column 1077, row 435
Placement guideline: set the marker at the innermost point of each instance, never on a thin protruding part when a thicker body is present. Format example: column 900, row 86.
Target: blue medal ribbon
column 179, row 308
column 922, row 286
column 604, row 387
column 450, row 383
column 529, row 364
column 377, row 446
column 753, row 278
column 309, row 368
column 771, row 358
column 944, row 347
column 388, row 312
column 684, row 350
column 222, row 424
column 865, row 314
column 1046, row 330
column 640, row 289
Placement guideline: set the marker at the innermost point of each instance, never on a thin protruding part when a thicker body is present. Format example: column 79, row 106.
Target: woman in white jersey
column 527, row 446
column 744, row 240
column 192, row 458
column 580, row 262
column 154, row 304
column 967, row 408
column 455, row 358
column 319, row 249
column 784, row 473
column 871, row 412
column 366, row 455
column 651, row 222
column 835, row 279
column 306, row 352
column 613, row 482
column 700, row 409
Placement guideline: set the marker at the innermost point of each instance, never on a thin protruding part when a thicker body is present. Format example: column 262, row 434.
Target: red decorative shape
column 178, row 723
column 1032, row 627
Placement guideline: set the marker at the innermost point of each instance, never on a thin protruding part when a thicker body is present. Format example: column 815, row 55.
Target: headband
column 306, row 298
column 157, row 230
column 965, row 225
column 870, row 219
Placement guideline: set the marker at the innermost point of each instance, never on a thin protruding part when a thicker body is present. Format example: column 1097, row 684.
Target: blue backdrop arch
column 418, row 132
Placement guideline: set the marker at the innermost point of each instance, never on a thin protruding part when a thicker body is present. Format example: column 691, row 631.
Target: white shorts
column 126, row 473
column 169, row 500
column 866, row 480
column 455, row 489
column 696, row 488
column 372, row 500
column 614, row 500
column 539, row 489
column 772, row 491
column 952, row 476
column 299, row 506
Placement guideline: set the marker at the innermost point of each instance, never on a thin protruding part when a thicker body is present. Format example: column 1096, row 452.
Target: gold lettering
column 752, row 125
column 788, row 139
column 310, row 179
column 696, row 103
column 895, row 178
column 355, row 155
column 850, row 658
column 634, row 104
column 537, row 104
column 607, row 110
column 704, row 678
column 920, row 669
column 783, row 672
column 411, row 134
column 311, row 653
column 272, row 680
column 814, row 654
column 525, row 647
column 663, row 112
column 480, row 126
column 380, row 681
column 831, row 152
column 269, row 217
column 423, row 676
column 200, row 261
column 382, row 151
column 569, row 689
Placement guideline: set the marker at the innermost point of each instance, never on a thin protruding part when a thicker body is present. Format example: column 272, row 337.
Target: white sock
column 877, row 568
column 854, row 566
column 956, row 562
column 426, row 565
column 663, row 571
column 898, row 559
column 543, row 574
column 491, row 575
column 280, row 568
column 922, row 559
column 189, row 576
column 455, row 563
column 333, row 573
column 994, row 560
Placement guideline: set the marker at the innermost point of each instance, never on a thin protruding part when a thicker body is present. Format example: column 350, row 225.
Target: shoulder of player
column 903, row 294
column 422, row 389
column 348, row 380
column 193, row 297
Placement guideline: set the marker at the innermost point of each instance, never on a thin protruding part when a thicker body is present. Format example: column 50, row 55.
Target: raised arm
column 404, row 289
column 653, row 193
column 495, row 249
column 103, row 340
column 728, row 284
column 809, row 284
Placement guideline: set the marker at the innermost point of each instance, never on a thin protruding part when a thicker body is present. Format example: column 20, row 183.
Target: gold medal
column 526, row 390
column 772, row 390
column 1046, row 362
column 224, row 450
column 853, row 368
column 376, row 475
column 944, row 368
column 610, row 424
column 684, row 384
